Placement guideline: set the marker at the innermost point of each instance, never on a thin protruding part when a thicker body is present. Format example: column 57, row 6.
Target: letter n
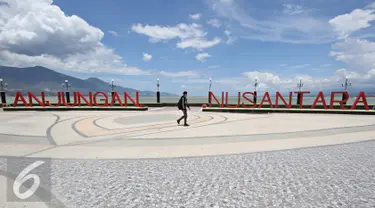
column 212, row 95
column 40, row 102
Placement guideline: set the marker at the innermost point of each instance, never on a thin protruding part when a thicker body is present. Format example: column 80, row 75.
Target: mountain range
column 37, row 79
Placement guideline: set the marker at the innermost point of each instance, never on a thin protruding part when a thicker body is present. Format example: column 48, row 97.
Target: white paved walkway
column 155, row 134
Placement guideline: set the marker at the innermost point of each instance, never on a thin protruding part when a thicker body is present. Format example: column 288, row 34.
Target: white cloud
column 230, row 39
column 179, row 74
column 358, row 54
column 281, row 28
column 214, row 23
column 114, row 33
column 191, row 36
column 158, row 33
column 293, row 9
column 147, row 57
column 198, row 43
column 348, row 23
column 196, row 16
column 272, row 82
column 39, row 33
column 202, row 56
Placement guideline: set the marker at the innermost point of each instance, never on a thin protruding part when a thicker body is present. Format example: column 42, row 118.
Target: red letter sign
column 18, row 98
column 217, row 101
column 31, row 96
column 319, row 99
column 115, row 97
column 59, row 100
column 266, row 95
column 339, row 101
column 278, row 95
column 106, row 99
column 301, row 97
column 126, row 96
column 250, row 101
column 238, row 101
column 80, row 96
column 363, row 100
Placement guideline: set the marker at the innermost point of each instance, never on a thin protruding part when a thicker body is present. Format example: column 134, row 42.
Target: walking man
column 183, row 105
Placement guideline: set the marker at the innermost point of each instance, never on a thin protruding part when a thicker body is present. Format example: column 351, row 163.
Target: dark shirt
column 184, row 103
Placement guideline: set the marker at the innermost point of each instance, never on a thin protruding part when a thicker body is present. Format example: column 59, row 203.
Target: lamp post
column 157, row 90
column 255, row 90
column 299, row 85
column 2, row 92
column 209, row 91
column 345, row 86
column 113, row 86
column 66, row 85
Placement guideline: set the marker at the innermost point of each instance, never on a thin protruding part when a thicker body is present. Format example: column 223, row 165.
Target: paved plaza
column 145, row 159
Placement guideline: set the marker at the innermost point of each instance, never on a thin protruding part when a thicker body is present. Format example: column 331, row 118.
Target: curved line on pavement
column 49, row 130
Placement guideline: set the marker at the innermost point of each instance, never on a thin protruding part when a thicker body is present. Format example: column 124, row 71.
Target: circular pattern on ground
column 330, row 176
column 156, row 134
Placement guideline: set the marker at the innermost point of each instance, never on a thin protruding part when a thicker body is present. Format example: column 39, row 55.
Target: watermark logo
column 32, row 180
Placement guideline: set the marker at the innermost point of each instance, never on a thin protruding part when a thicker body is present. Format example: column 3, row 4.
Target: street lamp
column 299, row 85
column 2, row 85
column 66, row 85
column 112, row 85
column 346, row 85
column 255, row 90
column 2, row 92
column 157, row 90
column 209, row 88
column 209, row 91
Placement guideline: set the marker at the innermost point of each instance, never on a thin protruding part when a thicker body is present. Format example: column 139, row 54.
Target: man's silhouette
column 183, row 105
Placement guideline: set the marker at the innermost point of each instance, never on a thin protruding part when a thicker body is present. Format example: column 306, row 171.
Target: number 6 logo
column 23, row 177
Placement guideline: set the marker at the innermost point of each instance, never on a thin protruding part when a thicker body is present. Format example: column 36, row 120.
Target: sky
column 184, row 43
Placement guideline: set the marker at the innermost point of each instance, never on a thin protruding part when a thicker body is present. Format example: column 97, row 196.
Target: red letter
column 126, row 96
column 18, row 98
column 301, row 97
column 106, row 99
column 79, row 96
column 339, row 101
column 319, row 99
column 266, row 95
column 221, row 105
column 278, row 95
column 59, row 101
column 115, row 97
column 31, row 96
column 64, row 100
column 238, row 101
column 251, row 101
column 361, row 96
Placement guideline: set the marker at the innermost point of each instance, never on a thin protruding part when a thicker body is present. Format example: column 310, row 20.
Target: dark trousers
column 184, row 116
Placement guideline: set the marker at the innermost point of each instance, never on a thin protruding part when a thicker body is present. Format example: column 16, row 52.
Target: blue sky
column 184, row 43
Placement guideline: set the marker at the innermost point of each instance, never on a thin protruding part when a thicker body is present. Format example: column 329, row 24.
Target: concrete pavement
column 155, row 134
column 144, row 159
